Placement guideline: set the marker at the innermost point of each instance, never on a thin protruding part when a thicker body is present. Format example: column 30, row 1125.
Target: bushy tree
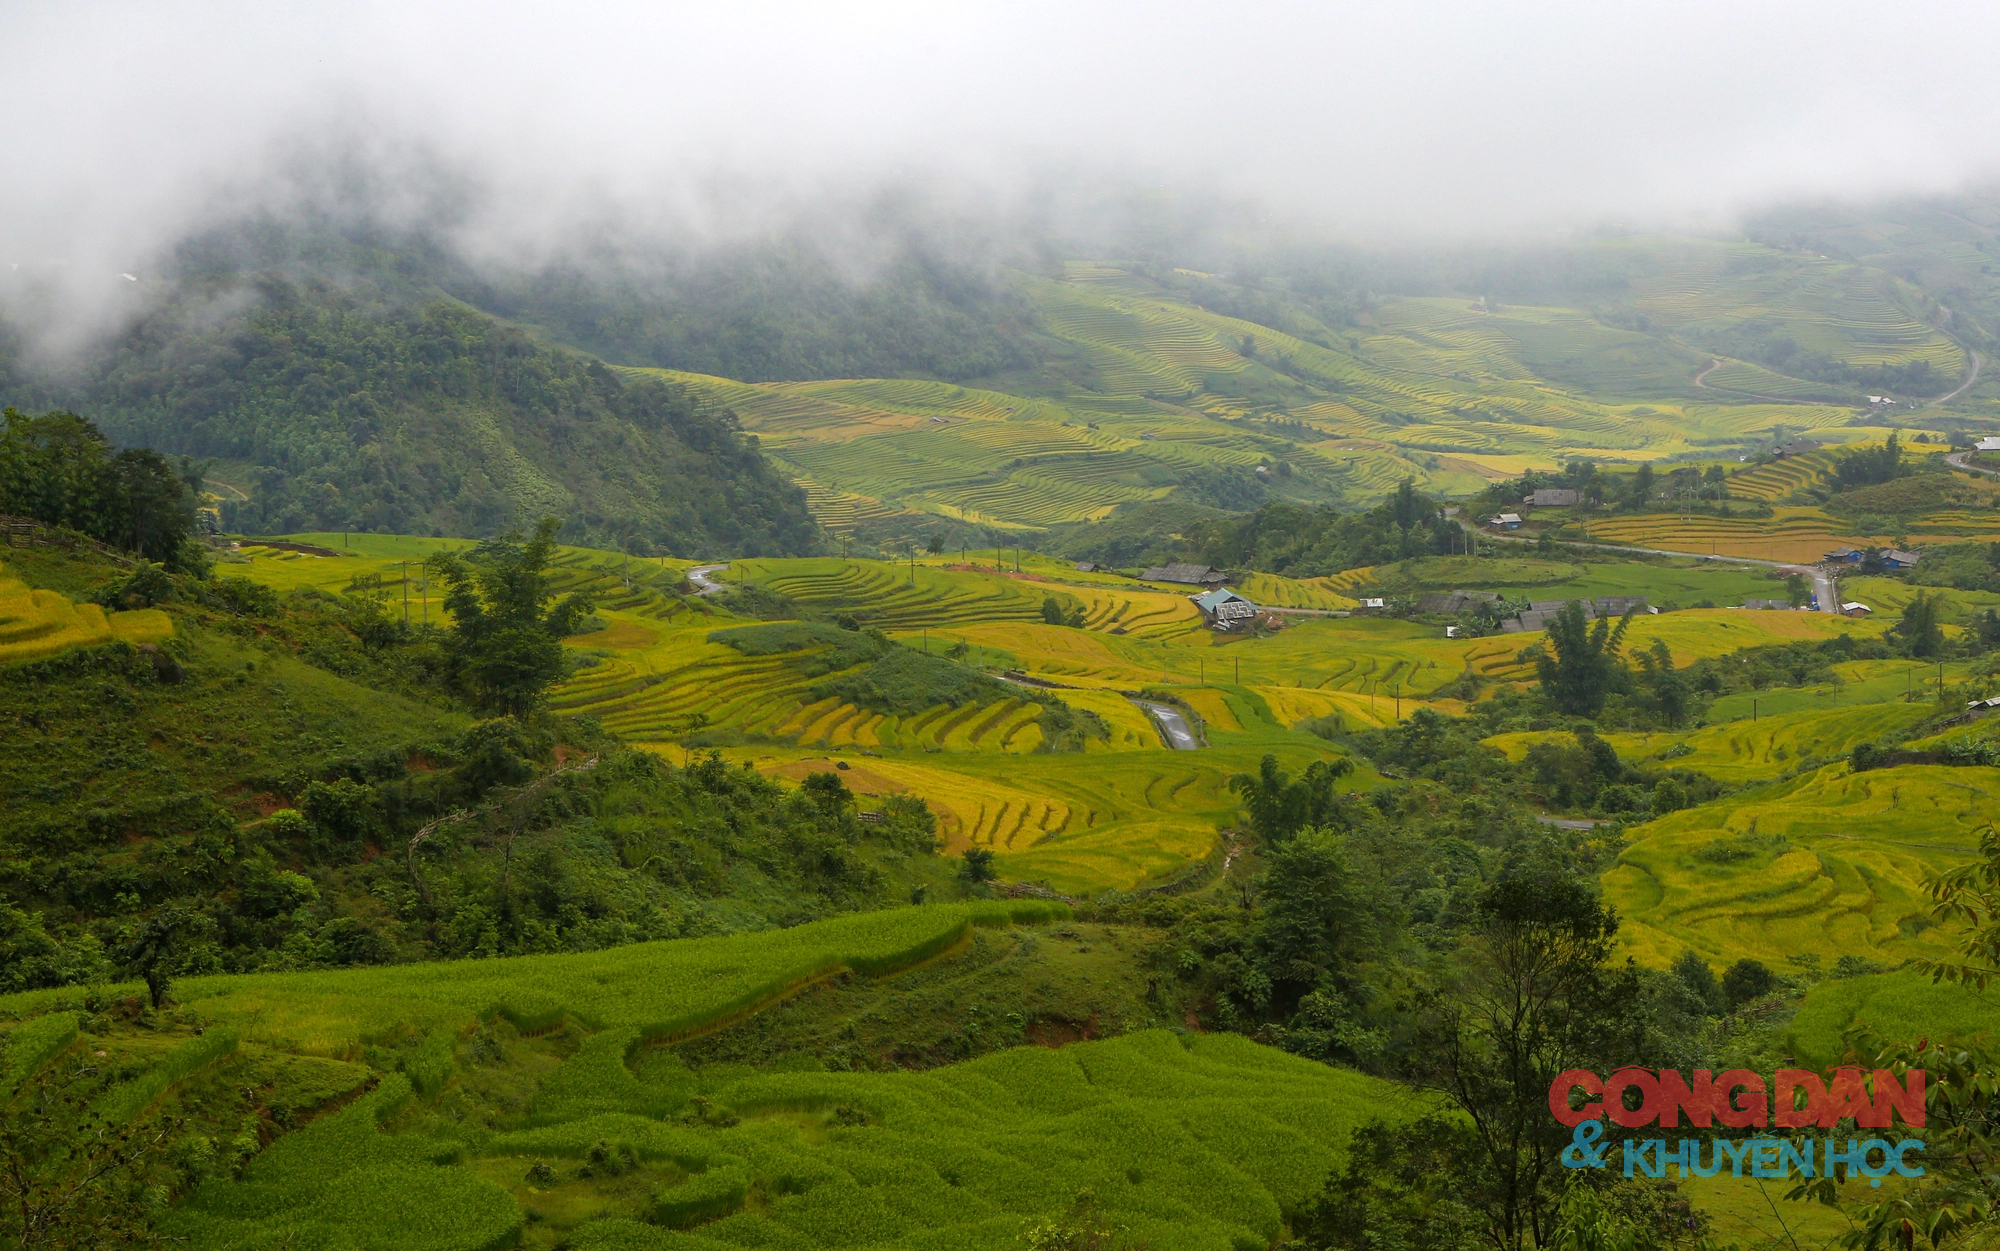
column 505, row 640
column 1699, row 978
column 1322, row 915
column 1666, row 689
column 1747, row 981
column 1280, row 806
column 1920, row 629
column 59, row 469
column 1585, row 668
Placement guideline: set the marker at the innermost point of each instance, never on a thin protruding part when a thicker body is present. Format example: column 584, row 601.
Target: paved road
column 1963, row 460
column 1822, row 583
column 702, row 584
column 1173, row 725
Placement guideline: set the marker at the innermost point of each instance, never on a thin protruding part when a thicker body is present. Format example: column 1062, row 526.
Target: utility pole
column 406, row 595
column 1239, row 671
column 424, row 572
column 1398, row 689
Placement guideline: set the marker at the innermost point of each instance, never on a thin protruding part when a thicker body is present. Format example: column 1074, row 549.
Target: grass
column 662, row 989
column 553, row 1134
column 1829, row 863
column 1898, row 1002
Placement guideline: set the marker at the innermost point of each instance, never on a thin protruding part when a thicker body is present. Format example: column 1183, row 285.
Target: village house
column 1185, row 574
column 1223, row 609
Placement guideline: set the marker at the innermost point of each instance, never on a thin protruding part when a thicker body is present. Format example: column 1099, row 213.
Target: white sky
column 121, row 125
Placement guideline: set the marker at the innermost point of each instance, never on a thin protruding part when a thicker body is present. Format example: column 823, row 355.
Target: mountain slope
column 339, row 408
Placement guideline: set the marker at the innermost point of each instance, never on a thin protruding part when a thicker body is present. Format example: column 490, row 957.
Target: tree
column 1531, row 999
column 504, row 646
column 1280, row 807
column 1699, row 978
column 978, row 865
column 68, row 1176
column 1642, row 486
column 152, row 948
column 1320, row 917
column 1797, row 591
column 1747, row 981
column 1920, row 628
column 935, row 545
column 1666, row 689
column 1960, row 1194
column 60, row 470
column 1585, row 668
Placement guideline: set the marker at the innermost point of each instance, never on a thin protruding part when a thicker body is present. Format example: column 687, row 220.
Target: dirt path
column 1700, row 379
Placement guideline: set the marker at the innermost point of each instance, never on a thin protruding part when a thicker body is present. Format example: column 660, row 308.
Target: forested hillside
column 337, row 407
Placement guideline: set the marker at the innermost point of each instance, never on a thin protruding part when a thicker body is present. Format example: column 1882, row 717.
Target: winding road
column 1963, row 460
column 1173, row 726
column 703, row 584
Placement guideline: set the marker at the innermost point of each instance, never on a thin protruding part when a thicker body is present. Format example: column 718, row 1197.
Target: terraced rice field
column 1830, row 863
column 1077, row 822
column 35, row 625
column 1744, row 750
column 1782, row 478
column 1791, row 534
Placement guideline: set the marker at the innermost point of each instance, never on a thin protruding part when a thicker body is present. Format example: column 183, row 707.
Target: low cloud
column 528, row 126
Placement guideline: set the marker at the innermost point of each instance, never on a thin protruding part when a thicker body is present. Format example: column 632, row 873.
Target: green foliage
column 505, row 639
column 1871, row 466
column 1747, row 981
column 1585, row 668
column 830, row 648
column 1919, row 628
column 357, row 412
column 1280, row 807
column 60, row 470
column 902, row 682
column 1304, row 543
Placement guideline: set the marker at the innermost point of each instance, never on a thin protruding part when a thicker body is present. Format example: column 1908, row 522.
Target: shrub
column 1747, row 981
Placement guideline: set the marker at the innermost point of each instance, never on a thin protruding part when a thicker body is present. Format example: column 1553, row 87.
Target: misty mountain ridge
column 350, row 374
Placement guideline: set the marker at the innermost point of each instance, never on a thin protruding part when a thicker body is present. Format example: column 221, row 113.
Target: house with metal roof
column 1553, row 497
column 1224, row 609
column 1186, row 574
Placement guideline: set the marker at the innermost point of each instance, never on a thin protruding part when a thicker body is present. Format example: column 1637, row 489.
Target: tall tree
column 505, row 640
column 1585, row 668
column 1920, row 628
column 1666, row 688
column 1530, row 999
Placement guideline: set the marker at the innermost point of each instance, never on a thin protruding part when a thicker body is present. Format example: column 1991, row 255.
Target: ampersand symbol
column 1579, row 1153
